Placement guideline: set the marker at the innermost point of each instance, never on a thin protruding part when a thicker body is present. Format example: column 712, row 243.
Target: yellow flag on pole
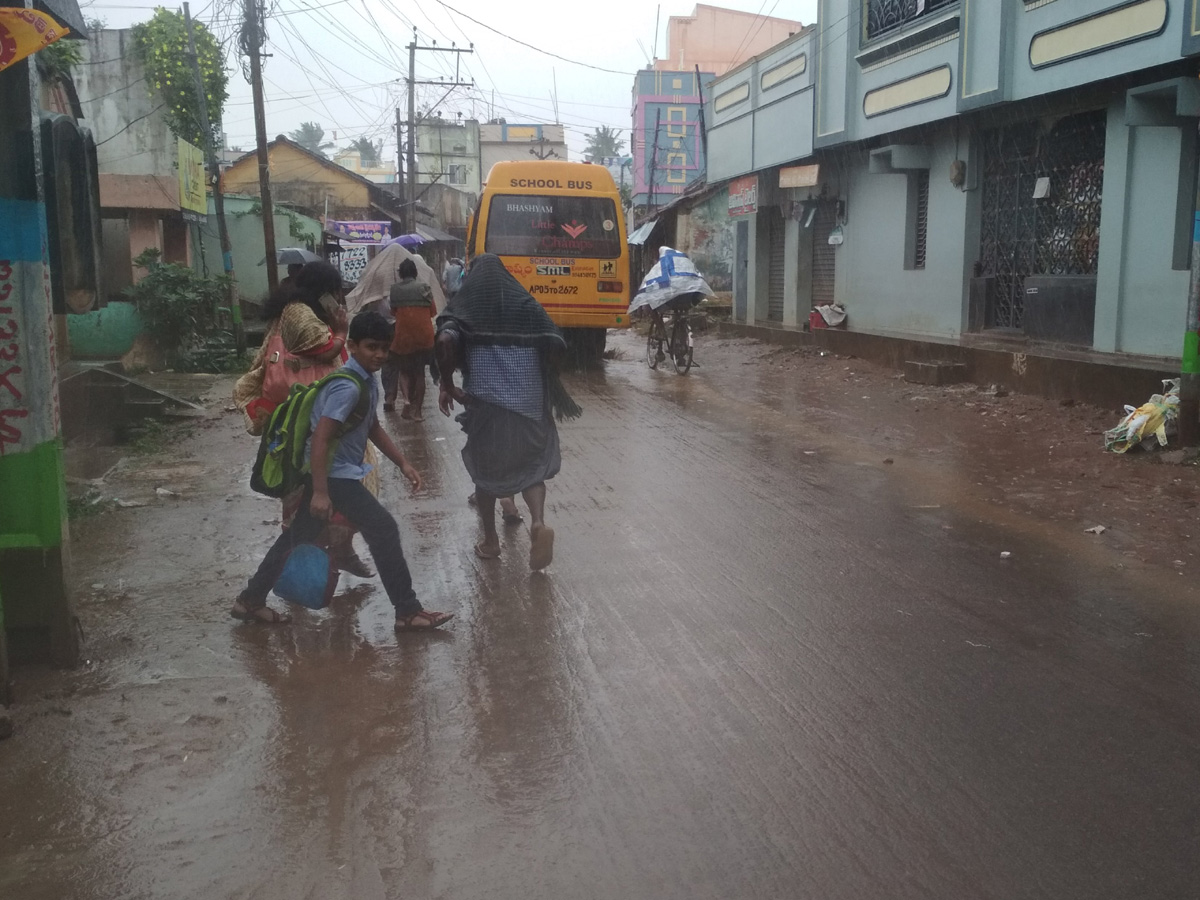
column 25, row 31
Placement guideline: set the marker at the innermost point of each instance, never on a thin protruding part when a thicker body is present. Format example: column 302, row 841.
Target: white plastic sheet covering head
column 674, row 277
column 373, row 288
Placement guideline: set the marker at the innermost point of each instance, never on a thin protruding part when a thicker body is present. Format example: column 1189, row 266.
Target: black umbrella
column 289, row 256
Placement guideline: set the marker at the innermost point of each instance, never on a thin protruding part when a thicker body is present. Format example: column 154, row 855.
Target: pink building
column 717, row 39
column 668, row 153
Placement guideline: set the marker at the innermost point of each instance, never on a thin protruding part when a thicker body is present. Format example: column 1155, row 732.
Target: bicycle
column 674, row 342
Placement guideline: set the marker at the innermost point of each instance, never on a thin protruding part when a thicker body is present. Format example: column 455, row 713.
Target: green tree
column 162, row 46
column 60, row 59
column 311, row 137
column 368, row 151
column 603, row 143
column 626, row 197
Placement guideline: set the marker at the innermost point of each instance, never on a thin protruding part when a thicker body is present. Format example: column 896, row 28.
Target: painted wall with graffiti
column 705, row 233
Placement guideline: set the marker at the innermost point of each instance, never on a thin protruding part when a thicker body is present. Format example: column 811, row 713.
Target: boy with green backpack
column 341, row 419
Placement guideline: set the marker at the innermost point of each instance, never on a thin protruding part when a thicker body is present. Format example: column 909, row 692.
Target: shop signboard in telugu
column 361, row 232
column 193, row 198
column 799, row 176
column 743, row 195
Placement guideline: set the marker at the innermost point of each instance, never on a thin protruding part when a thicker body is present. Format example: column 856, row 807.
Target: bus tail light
column 610, row 287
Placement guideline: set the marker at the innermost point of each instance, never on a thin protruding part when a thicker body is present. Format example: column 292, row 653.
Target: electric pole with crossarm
column 410, row 209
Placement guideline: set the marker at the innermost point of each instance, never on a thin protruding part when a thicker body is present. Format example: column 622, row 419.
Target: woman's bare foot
column 509, row 512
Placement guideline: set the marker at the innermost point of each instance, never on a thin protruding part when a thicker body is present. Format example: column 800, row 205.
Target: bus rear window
column 526, row 225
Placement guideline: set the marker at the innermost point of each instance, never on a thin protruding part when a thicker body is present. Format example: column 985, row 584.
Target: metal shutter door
column 775, row 244
column 824, row 257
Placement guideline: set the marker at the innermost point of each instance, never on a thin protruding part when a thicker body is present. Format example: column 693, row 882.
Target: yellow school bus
column 558, row 228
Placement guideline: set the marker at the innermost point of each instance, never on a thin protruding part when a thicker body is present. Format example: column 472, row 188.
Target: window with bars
column 917, row 233
column 885, row 16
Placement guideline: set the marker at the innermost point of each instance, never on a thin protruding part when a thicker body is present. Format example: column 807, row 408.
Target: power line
column 757, row 16
column 297, row 12
column 131, row 123
column 531, row 46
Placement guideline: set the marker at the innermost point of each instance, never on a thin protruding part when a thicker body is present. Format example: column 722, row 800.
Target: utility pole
column 654, row 160
column 410, row 207
column 1189, row 372
column 214, row 172
column 410, row 216
column 400, row 192
column 252, row 42
column 540, row 150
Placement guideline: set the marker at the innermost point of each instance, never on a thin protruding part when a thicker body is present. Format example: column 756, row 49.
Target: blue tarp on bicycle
column 673, row 282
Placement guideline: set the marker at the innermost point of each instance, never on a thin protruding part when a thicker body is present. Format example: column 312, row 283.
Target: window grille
column 885, row 16
column 1025, row 231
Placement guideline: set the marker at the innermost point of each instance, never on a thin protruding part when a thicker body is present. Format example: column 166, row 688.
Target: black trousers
column 378, row 527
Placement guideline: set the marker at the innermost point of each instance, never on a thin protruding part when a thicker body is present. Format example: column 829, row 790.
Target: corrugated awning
column 65, row 12
column 642, row 234
column 433, row 234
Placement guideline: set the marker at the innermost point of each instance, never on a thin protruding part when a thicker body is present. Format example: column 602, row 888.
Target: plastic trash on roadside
column 1147, row 425
column 673, row 280
column 832, row 315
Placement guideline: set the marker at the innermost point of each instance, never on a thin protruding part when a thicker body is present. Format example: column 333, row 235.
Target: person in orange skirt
column 411, row 302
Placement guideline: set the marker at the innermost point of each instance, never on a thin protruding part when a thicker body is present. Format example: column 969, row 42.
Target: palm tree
column 368, row 151
column 311, row 137
column 604, row 143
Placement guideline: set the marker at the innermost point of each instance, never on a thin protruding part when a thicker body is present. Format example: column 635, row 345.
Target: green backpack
column 280, row 467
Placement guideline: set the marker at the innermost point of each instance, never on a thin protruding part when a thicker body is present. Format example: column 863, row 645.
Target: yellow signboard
column 193, row 198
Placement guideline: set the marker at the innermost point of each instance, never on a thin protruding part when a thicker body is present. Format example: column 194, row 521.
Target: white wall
column 119, row 105
column 880, row 295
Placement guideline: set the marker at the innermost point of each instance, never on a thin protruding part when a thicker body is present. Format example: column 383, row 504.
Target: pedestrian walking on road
column 305, row 341
column 508, row 348
column 335, row 486
column 452, row 276
column 411, row 303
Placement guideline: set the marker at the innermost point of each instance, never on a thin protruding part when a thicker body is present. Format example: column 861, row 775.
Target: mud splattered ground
column 778, row 655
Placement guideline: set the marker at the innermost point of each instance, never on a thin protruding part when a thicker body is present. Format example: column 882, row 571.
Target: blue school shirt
column 337, row 400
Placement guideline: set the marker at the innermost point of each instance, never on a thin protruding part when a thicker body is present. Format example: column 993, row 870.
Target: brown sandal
column 425, row 620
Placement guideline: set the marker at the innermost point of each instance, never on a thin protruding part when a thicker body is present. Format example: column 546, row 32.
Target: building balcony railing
column 887, row 16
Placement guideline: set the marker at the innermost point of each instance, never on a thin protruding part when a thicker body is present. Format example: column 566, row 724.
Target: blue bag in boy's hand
column 309, row 577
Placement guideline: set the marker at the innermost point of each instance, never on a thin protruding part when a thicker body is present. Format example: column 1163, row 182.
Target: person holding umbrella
column 295, row 259
column 293, row 271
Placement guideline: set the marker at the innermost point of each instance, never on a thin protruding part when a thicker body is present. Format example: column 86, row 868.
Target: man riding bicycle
column 672, row 284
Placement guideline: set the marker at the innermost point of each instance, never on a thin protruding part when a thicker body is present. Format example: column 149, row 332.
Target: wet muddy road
column 765, row 663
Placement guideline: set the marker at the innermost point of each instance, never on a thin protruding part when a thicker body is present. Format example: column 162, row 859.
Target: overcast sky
column 339, row 62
